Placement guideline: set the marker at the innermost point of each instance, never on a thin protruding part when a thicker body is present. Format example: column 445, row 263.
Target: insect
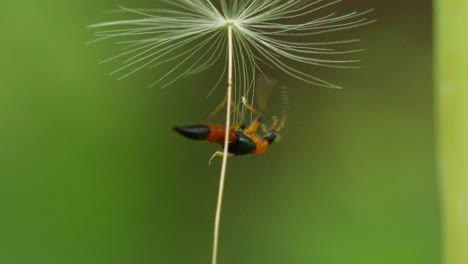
column 242, row 140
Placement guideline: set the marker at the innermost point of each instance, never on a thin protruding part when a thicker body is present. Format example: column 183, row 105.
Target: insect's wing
column 272, row 101
column 263, row 91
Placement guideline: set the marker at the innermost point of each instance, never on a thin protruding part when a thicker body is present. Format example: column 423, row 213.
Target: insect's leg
column 254, row 125
column 235, row 108
column 280, row 125
column 248, row 106
column 218, row 108
column 221, row 107
column 219, row 154
column 265, row 129
column 257, row 121
column 274, row 125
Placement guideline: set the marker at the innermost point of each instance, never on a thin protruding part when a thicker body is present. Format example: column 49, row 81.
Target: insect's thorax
column 247, row 144
column 243, row 145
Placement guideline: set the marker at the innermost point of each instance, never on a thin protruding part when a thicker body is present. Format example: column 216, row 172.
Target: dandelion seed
column 192, row 36
column 248, row 36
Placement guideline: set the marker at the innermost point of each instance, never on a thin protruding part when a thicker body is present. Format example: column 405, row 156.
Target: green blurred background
column 91, row 171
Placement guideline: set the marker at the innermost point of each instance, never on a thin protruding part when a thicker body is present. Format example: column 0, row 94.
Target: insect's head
column 271, row 136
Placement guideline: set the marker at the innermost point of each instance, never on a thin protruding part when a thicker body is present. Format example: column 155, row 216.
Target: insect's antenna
column 284, row 115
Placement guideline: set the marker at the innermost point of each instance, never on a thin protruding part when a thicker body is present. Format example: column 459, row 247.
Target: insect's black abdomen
column 197, row 132
column 271, row 136
column 242, row 146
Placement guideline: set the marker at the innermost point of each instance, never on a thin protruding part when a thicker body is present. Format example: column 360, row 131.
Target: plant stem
column 452, row 114
column 222, row 175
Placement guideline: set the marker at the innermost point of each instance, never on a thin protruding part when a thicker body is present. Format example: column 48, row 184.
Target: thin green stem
column 451, row 40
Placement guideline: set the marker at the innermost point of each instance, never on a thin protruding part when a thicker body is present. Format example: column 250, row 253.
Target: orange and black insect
column 242, row 140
